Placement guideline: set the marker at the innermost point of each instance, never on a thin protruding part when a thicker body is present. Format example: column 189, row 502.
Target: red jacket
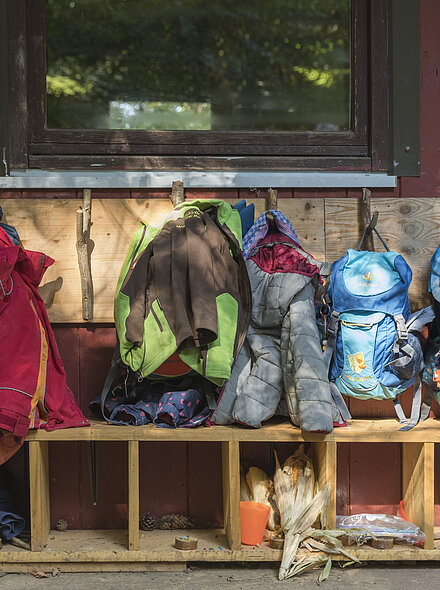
column 33, row 388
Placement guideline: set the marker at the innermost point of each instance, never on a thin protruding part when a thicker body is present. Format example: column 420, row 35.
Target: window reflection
column 269, row 65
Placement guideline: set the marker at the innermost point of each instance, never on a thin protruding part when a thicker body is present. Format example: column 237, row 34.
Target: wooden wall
column 186, row 478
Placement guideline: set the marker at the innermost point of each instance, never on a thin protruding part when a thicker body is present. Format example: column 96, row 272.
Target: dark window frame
column 32, row 145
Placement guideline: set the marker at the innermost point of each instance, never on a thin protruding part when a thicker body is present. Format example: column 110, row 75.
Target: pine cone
column 175, row 522
column 61, row 524
column 148, row 522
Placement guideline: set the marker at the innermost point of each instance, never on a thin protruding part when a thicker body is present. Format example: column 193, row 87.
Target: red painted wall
column 186, row 478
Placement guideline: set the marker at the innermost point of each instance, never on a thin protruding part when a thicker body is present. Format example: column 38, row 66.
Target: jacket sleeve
column 228, row 395
column 8, row 259
column 305, row 377
column 259, row 392
column 135, row 289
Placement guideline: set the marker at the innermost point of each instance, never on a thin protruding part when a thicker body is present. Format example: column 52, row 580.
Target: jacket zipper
column 155, row 317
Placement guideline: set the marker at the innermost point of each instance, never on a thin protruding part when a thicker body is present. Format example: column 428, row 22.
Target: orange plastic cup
column 253, row 516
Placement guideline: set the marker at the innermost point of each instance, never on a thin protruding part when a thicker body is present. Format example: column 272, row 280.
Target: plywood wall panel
column 49, row 226
column 65, row 483
column 111, row 509
column 163, row 478
column 204, row 484
column 375, row 480
column 307, row 218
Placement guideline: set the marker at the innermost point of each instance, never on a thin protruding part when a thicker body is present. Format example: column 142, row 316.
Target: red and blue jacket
column 33, row 388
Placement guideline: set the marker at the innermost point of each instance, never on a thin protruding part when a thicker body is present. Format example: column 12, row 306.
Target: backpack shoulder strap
column 415, row 409
column 332, row 332
column 420, row 318
column 113, row 372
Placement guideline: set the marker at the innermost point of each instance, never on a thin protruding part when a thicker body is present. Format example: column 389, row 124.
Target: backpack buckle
column 332, row 325
column 401, row 329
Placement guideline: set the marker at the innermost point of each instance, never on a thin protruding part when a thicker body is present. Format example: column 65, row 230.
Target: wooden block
column 277, row 543
column 382, row 543
column 325, row 459
column 231, row 493
column 133, row 495
column 185, row 543
column 39, row 494
column 418, row 487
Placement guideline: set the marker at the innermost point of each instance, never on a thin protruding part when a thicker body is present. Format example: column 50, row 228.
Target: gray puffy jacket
column 281, row 360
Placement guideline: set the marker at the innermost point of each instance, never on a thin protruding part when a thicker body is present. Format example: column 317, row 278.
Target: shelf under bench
column 132, row 548
column 106, row 550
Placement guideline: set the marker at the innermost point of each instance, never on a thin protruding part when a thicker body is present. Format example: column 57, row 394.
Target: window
column 225, row 65
column 226, row 84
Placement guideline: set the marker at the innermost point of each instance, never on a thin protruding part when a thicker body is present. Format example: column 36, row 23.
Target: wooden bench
column 326, row 228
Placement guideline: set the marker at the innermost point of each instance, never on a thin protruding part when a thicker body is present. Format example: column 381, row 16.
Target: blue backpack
column 373, row 351
column 431, row 373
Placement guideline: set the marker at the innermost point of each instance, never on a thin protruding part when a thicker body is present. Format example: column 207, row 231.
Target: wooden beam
column 359, row 431
column 17, row 83
column 39, row 494
column 97, row 550
column 4, row 107
column 133, row 495
column 324, row 455
column 92, row 566
column 231, row 493
column 418, row 487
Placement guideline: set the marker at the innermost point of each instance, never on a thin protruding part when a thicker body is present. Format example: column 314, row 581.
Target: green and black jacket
column 184, row 287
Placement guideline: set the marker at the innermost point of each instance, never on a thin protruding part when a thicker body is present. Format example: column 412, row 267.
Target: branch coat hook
column 272, row 199
column 368, row 243
column 84, row 247
column 177, row 193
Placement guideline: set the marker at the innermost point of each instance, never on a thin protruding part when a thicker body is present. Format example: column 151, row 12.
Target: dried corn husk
column 303, row 521
column 300, row 508
column 245, row 493
column 262, row 490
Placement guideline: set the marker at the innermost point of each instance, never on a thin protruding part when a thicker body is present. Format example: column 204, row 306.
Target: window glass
column 269, row 65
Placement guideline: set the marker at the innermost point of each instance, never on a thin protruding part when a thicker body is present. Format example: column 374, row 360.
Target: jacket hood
column 278, row 271
column 272, row 294
column 266, row 224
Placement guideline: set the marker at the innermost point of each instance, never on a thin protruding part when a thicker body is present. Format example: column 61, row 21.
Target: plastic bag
column 381, row 525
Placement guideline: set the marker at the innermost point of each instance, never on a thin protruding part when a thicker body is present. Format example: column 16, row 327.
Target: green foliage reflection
column 223, row 64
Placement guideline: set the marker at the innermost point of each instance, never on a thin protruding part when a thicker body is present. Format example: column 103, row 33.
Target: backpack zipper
column 350, row 324
column 359, row 389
